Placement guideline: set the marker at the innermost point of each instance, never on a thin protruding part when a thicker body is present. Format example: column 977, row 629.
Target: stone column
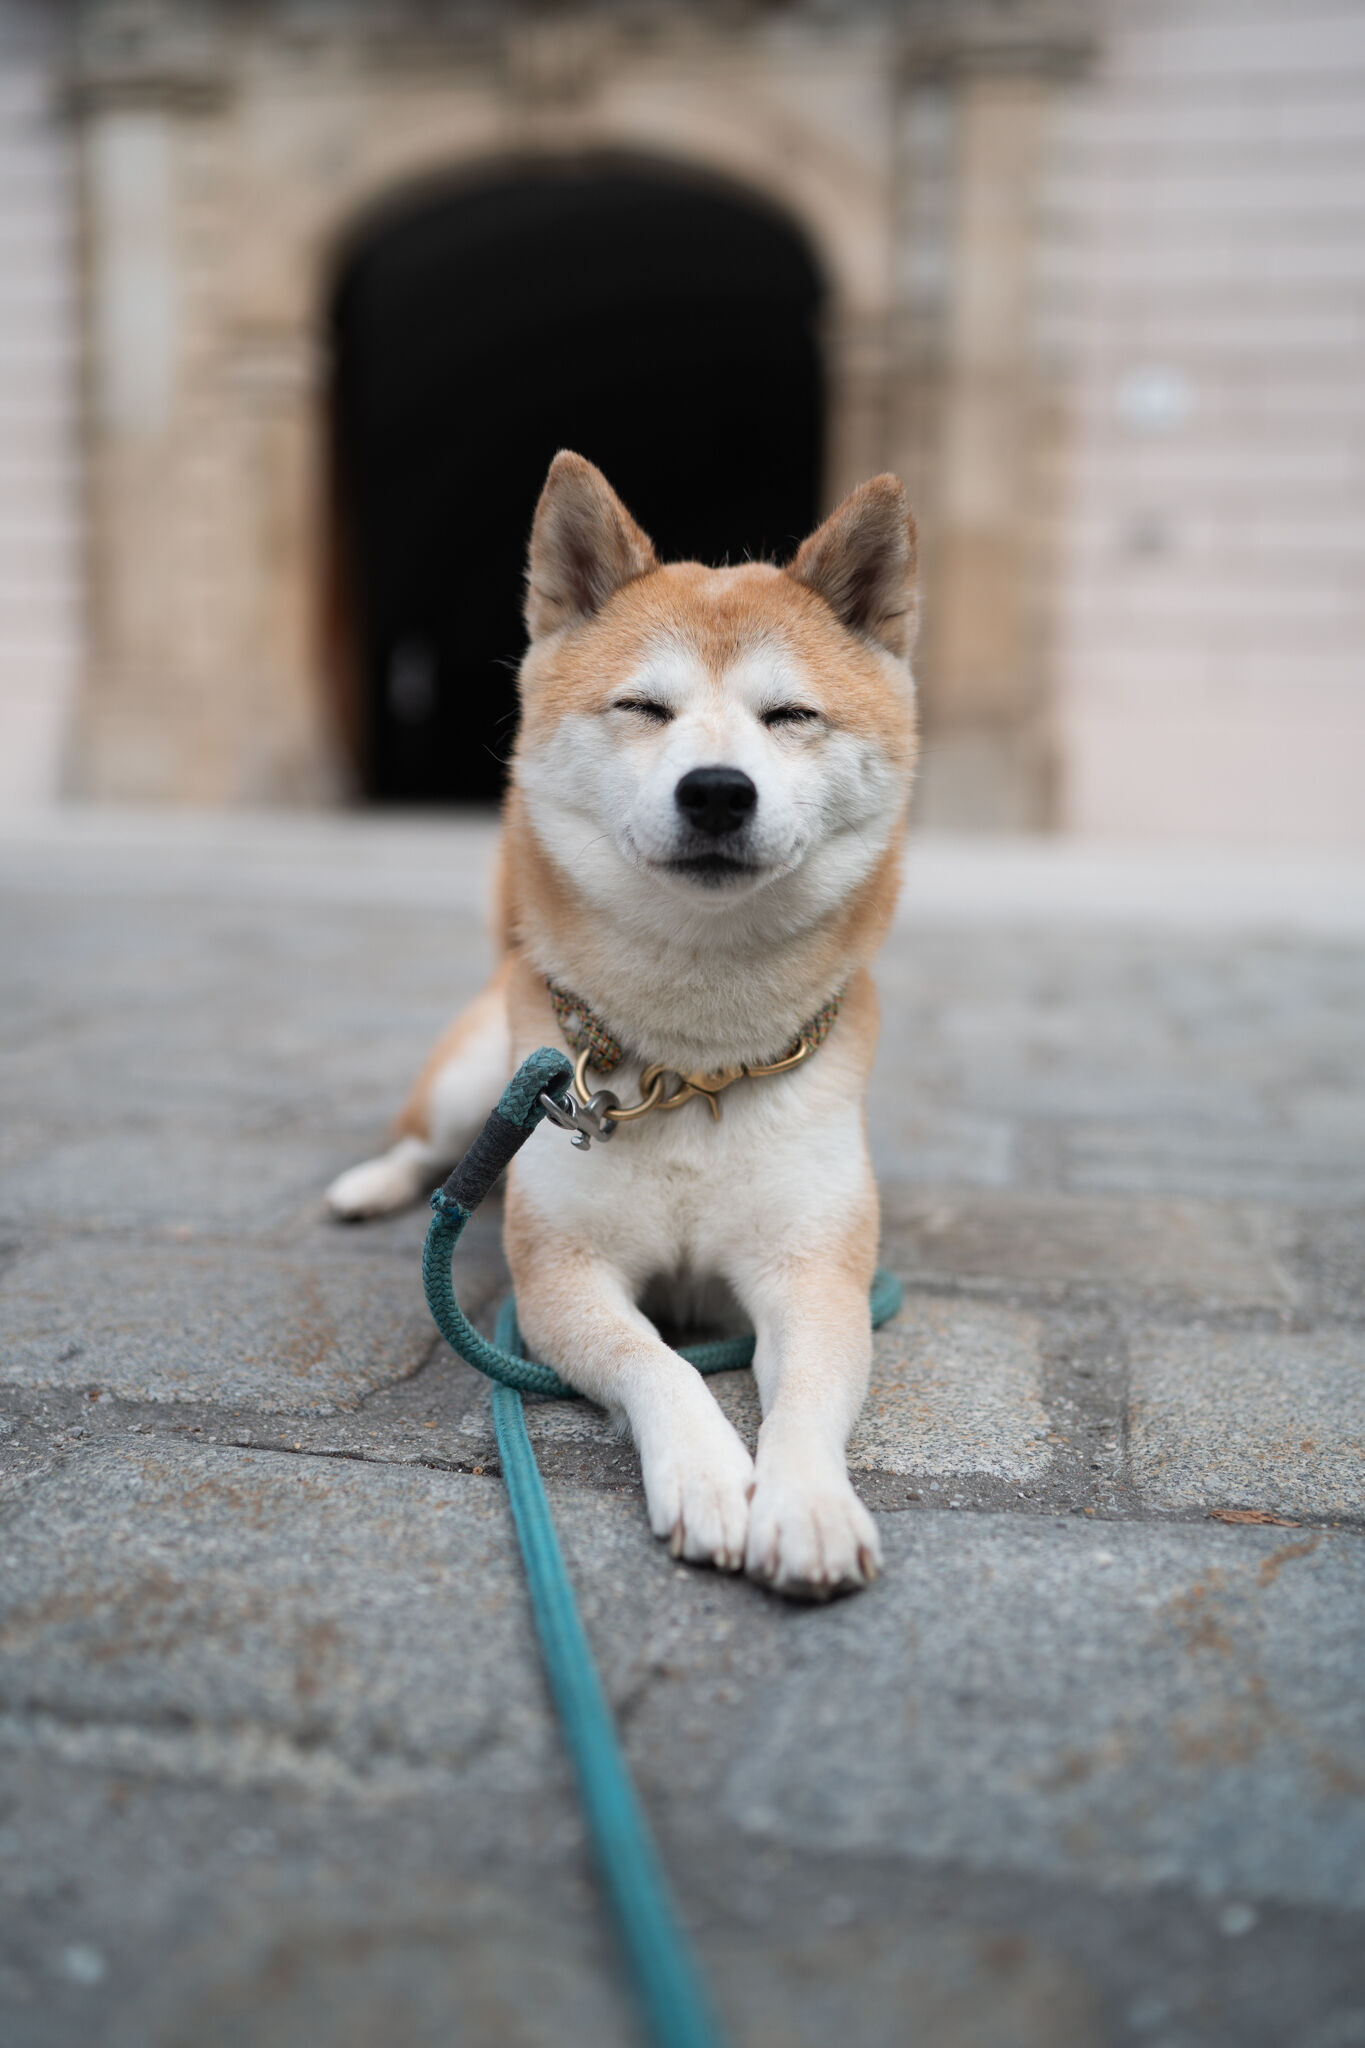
column 973, row 416
column 201, row 425
column 131, row 333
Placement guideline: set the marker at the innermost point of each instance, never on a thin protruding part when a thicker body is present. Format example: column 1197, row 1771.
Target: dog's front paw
column 697, row 1482
column 810, row 1539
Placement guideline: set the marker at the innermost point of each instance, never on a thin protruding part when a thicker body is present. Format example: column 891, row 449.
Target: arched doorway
column 663, row 325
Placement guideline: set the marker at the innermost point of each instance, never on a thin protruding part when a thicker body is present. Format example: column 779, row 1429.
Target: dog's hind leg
column 463, row 1078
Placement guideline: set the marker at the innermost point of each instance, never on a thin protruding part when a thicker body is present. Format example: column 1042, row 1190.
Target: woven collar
column 583, row 1028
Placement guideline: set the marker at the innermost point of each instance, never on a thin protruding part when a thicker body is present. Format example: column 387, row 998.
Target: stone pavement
column 1087, row 1766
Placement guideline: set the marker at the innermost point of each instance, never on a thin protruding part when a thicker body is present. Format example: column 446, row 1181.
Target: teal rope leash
column 666, row 1976
column 667, row 1980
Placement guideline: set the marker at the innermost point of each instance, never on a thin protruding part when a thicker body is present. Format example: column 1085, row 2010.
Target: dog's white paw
column 810, row 1540
column 390, row 1182
column 697, row 1482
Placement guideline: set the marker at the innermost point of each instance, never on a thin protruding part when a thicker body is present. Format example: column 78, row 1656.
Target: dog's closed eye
column 790, row 714
column 644, row 707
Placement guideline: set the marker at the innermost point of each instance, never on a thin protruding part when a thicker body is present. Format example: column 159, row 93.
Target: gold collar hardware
column 594, row 1114
column 652, row 1083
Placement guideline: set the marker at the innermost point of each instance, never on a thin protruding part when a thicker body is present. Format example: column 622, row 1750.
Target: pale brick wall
column 40, row 487
column 1209, row 222
column 1205, row 221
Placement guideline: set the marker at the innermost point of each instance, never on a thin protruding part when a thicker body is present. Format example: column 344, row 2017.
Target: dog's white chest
column 681, row 1189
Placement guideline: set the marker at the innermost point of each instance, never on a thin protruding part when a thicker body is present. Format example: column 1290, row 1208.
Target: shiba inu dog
column 701, row 854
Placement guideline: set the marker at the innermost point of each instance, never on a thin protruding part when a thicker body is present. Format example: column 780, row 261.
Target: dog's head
column 716, row 732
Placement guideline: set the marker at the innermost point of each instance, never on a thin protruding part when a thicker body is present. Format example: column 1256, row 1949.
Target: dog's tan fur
column 636, row 672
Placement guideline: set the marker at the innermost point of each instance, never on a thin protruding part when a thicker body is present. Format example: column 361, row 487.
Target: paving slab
column 1145, row 1060
column 150, row 1913
column 168, row 1060
column 1328, row 1261
column 869, row 1950
column 182, row 1008
column 926, row 1142
column 244, row 1616
column 956, row 1388
column 297, row 1330
column 1250, row 1419
column 1185, row 1253
column 1128, row 1705
column 195, row 1179
column 1323, row 1165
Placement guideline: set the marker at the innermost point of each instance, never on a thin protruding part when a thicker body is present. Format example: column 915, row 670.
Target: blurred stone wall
column 1095, row 290
column 227, row 157
column 41, row 481
column 1207, row 297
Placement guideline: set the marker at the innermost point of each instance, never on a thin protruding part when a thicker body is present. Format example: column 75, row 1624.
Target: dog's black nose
column 716, row 800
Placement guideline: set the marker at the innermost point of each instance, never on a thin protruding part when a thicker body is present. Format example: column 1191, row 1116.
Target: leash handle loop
column 517, row 1114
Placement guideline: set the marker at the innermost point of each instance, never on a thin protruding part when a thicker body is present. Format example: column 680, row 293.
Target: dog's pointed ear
column 584, row 546
column 862, row 563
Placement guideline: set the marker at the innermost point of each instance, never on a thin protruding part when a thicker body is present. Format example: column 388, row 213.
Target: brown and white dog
column 701, row 842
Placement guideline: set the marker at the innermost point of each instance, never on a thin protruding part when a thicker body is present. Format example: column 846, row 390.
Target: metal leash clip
column 597, row 1115
column 585, row 1120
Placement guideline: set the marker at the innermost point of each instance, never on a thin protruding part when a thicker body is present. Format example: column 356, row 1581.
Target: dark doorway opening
column 664, row 326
